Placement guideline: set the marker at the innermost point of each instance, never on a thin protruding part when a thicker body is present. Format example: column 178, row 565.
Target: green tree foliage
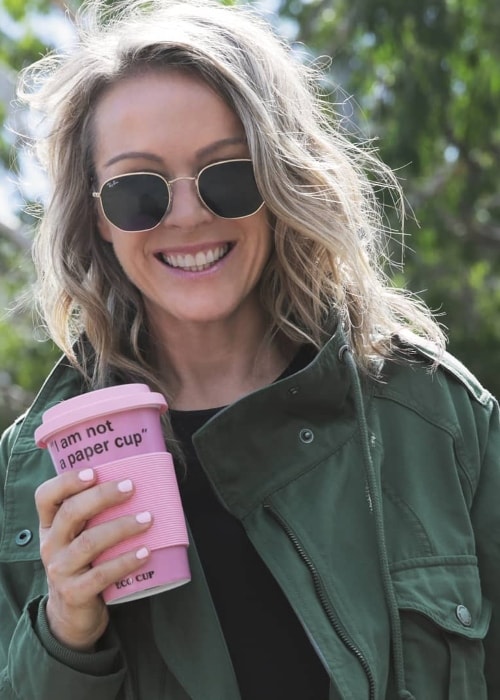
column 424, row 76
column 24, row 359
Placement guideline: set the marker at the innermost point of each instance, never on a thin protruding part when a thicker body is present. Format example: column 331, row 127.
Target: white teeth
column 200, row 261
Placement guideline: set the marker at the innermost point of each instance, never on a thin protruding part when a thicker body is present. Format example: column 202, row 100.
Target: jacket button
column 306, row 435
column 24, row 537
column 463, row 615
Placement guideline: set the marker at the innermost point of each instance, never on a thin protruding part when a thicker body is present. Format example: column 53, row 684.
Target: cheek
column 104, row 227
column 266, row 239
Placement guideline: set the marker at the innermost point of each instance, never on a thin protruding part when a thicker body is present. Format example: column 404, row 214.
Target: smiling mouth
column 202, row 260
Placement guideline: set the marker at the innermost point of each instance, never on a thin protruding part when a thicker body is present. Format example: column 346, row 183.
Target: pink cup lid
column 94, row 404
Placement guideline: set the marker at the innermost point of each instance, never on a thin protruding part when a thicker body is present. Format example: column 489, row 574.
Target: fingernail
column 144, row 517
column 142, row 553
column 86, row 474
column 125, row 486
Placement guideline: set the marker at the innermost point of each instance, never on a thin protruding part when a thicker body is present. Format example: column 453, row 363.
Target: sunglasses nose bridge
column 189, row 178
column 184, row 177
column 179, row 179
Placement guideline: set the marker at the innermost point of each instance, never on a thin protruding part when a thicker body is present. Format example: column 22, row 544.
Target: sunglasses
column 140, row 201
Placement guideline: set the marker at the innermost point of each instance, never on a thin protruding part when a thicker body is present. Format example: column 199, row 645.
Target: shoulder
column 64, row 381
column 8, row 439
column 423, row 383
column 430, row 356
column 429, row 400
column 421, row 365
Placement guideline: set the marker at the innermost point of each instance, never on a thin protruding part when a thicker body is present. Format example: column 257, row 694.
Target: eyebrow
column 203, row 152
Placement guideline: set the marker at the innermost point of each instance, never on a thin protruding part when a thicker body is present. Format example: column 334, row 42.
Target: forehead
column 161, row 112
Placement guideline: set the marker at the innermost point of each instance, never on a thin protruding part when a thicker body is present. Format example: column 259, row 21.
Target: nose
column 186, row 210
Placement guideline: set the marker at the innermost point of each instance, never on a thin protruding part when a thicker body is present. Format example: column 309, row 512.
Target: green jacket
column 375, row 504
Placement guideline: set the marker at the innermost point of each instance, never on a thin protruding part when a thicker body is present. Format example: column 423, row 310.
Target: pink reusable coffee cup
column 117, row 432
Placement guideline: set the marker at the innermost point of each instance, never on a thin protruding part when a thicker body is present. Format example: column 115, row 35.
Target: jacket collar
column 269, row 437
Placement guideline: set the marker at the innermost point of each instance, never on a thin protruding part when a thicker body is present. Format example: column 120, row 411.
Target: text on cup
column 144, row 576
column 85, row 452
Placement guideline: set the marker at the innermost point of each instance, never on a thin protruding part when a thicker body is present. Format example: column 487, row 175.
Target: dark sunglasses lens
column 229, row 189
column 135, row 202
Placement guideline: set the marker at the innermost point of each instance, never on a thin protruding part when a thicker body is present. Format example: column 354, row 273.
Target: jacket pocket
column 444, row 620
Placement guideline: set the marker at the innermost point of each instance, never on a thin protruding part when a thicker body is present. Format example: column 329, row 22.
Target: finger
column 93, row 541
column 90, row 583
column 75, row 511
column 52, row 493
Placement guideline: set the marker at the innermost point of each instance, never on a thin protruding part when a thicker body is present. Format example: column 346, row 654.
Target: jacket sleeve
column 33, row 665
column 35, row 672
column 485, row 515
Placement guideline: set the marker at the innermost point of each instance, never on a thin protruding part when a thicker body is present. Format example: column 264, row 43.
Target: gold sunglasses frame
column 168, row 183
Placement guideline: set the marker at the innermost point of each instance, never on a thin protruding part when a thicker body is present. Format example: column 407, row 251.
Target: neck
column 214, row 364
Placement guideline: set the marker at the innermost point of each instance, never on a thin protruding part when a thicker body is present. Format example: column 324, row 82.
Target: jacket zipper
column 323, row 598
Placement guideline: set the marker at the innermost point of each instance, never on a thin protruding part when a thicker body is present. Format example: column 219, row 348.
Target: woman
column 213, row 234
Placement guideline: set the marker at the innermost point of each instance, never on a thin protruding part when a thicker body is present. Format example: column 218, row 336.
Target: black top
column 271, row 654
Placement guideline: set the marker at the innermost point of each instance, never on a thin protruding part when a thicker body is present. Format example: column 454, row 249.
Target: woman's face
column 194, row 267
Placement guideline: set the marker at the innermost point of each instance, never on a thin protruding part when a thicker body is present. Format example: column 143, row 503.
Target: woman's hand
column 76, row 612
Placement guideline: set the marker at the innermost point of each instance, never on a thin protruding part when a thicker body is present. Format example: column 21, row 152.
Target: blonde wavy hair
column 320, row 187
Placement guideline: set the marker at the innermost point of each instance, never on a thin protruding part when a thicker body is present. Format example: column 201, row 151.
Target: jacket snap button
column 24, row 537
column 342, row 351
column 306, row 435
column 463, row 615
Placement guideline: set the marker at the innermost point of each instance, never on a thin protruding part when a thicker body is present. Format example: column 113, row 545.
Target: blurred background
column 422, row 77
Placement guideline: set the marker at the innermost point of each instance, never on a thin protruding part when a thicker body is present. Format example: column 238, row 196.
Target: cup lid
column 94, row 404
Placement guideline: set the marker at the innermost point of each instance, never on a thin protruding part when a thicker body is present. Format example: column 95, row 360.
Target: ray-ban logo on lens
column 112, row 183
